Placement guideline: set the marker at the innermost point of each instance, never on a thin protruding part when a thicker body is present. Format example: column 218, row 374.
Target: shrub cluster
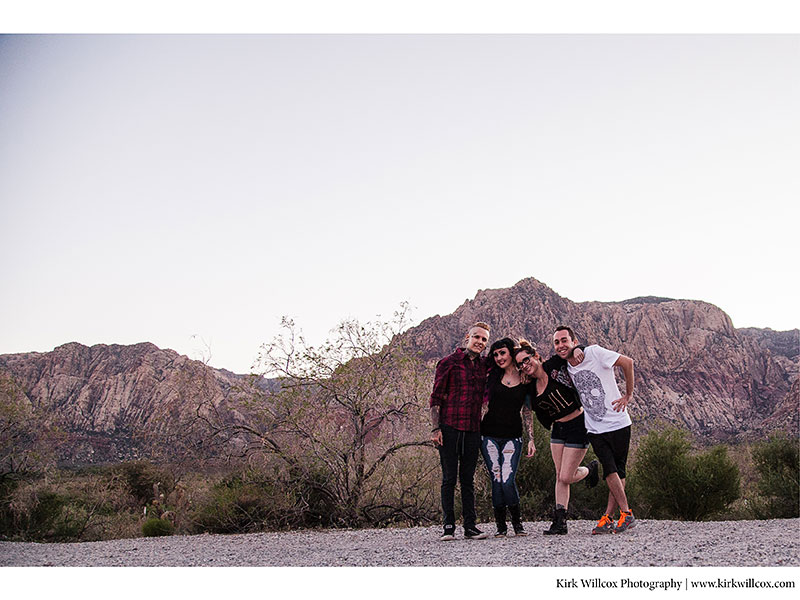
column 777, row 462
column 667, row 479
column 146, row 481
column 155, row 527
column 68, row 506
column 670, row 481
column 243, row 502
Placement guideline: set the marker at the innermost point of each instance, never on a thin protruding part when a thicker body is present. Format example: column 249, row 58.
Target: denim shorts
column 571, row 433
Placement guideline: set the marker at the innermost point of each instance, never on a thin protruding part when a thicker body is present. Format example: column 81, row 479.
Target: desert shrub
column 669, row 481
column 142, row 477
column 777, row 462
column 47, row 515
column 155, row 527
column 69, row 506
column 245, row 502
column 7, row 526
column 535, row 477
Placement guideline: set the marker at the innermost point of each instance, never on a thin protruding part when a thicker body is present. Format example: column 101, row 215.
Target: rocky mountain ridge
column 693, row 368
column 110, row 401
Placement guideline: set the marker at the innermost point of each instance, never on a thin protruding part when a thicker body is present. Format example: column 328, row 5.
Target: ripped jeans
column 501, row 457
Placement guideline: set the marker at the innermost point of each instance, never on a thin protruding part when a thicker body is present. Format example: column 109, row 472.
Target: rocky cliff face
column 110, row 402
column 692, row 366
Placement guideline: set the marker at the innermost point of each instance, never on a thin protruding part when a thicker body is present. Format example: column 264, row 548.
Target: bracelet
column 435, row 429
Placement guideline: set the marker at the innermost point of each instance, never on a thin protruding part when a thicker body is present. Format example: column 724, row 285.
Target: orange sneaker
column 604, row 525
column 626, row 521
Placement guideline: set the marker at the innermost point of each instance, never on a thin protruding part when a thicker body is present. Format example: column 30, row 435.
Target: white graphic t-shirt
column 595, row 382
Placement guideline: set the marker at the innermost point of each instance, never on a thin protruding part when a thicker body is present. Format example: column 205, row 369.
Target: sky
column 190, row 190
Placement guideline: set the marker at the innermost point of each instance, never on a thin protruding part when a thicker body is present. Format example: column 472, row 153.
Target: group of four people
column 574, row 393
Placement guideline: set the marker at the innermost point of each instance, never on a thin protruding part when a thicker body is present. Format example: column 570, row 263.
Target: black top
column 555, row 402
column 556, row 368
column 503, row 418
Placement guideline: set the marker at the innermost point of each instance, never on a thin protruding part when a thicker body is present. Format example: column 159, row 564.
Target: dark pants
column 611, row 449
column 459, row 457
column 501, row 457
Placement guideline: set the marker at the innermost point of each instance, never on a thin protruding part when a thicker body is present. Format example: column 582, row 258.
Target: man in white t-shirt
column 607, row 421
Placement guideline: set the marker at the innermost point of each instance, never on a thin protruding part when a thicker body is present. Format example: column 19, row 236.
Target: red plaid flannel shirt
column 459, row 390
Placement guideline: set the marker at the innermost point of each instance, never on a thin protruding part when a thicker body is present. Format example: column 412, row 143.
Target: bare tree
column 343, row 422
column 28, row 443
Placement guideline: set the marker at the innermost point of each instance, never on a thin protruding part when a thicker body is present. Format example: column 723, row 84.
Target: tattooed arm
column 527, row 420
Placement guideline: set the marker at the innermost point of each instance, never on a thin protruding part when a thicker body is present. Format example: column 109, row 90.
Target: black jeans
column 459, row 457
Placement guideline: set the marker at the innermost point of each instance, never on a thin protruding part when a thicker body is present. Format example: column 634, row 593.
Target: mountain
column 692, row 368
column 110, row 401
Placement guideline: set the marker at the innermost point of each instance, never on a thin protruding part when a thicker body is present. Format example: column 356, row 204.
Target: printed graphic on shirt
column 593, row 396
column 562, row 376
column 553, row 403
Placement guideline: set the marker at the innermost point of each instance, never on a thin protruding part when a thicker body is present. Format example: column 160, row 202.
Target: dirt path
column 653, row 543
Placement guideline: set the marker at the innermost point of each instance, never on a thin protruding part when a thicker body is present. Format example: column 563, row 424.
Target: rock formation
column 693, row 368
column 112, row 402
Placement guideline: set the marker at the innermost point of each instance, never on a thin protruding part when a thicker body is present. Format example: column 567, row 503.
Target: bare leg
column 567, row 470
column 556, row 451
column 616, row 494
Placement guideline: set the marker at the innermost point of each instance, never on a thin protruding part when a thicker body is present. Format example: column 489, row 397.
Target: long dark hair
column 506, row 342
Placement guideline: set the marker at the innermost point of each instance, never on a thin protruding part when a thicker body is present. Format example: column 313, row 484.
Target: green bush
column 7, row 525
column 141, row 477
column 245, row 502
column 669, row 481
column 51, row 517
column 777, row 462
column 535, row 478
column 154, row 527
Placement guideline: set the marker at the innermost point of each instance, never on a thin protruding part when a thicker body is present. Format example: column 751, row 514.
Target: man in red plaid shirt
column 456, row 401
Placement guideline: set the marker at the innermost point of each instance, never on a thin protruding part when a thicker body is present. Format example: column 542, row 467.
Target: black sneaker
column 473, row 533
column 593, row 477
column 449, row 533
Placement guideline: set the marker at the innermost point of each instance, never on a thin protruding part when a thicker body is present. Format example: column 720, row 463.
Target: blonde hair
column 482, row 325
column 525, row 345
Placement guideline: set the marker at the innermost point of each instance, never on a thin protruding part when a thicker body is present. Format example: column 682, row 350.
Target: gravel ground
column 652, row 543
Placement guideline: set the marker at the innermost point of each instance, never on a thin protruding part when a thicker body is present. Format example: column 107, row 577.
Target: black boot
column 500, row 519
column 516, row 521
column 559, row 526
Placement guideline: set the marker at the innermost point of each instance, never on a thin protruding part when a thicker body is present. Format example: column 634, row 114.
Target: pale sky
column 191, row 190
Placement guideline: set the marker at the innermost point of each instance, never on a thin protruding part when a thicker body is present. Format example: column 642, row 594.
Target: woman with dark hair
column 501, row 433
column 559, row 406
